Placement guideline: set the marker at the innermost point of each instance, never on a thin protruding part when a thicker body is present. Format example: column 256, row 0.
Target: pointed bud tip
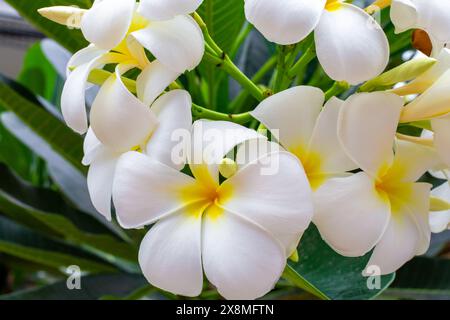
column 65, row 15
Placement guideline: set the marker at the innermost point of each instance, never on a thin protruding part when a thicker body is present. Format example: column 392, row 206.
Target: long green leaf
column 72, row 40
column 23, row 243
column 19, row 100
column 92, row 287
column 46, row 211
column 328, row 275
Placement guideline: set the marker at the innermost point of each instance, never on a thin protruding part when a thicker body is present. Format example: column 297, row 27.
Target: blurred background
column 16, row 36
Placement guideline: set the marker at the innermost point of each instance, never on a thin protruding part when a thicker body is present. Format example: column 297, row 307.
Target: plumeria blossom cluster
column 223, row 200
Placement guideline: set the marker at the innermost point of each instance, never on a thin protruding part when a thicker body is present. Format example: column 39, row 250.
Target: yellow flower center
column 205, row 195
column 392, row 189
column 312, row 164
column 333, row 5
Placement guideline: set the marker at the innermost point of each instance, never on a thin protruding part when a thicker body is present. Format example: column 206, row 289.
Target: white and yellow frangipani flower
column 431, row 16
column 440, row 220
column 118, row 33
column 350, row 45
column 383, row 206
column 433, row 103
column 239, row 232
column 306, row 128
column 120, row 122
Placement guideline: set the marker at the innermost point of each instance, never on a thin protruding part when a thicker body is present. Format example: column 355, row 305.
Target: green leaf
column 46, row 211
column 72, row 40
column 422, row 278
column 92, row 287
column 328, row 275
column 224, row 19
column 23, row 243
column 22, row 102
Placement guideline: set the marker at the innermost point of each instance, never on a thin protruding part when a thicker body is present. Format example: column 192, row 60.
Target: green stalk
column 337, row 88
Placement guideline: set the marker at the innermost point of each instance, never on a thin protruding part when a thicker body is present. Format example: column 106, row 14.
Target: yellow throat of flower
column 333, row 5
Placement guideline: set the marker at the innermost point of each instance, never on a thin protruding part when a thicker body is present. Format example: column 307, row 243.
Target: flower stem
column 337, row 88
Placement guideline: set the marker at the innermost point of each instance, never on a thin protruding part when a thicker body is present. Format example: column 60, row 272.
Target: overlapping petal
column 173, row 111
column 177, row 43
column 146, row 190
column 73, row 104
column 285, row 210
column 153, row 80
column 291, row 115
column 106, row 23
column 284, row 22
column 441, row 127
column 100, row 180
column 440, row 220
column 432, row 103
column 211, row 141
column 350, row 45
column 366, row 129
column 407, row 234
column 350, row 214
column 324, row 140
column 118, row 118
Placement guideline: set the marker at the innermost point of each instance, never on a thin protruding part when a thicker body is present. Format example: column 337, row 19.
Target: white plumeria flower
column 350, row 45
column 433, row 105
column 120, row 122
column 432, row 16
column 440, row 220
column 239, row 232
column 118, row 32
column 306, row 128
column 382, row 206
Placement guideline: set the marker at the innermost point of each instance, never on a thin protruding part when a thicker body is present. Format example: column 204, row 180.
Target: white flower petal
column 412, row 160
column 404, row 15
column 324, row 140
column 239, row 258
column 252, row 150
column 118, row 118
column 211, row 141
column 366, row 129
column 170, row 255
column 173, row 111
column 293, row 113
column 284, row 22
column 83, row 56
column 73, row 101
column 167, row 9
column 441, row 127
column 274, row 193
column 430, row 104
column 146, row 190
column 91, row 147
column 106, row 23
column 407, row 235
column 100, row 181
column 177, row 43
column 350, row 215
column 440, row 220
column 350, row 45
column 153, row 80
column 434, row 18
